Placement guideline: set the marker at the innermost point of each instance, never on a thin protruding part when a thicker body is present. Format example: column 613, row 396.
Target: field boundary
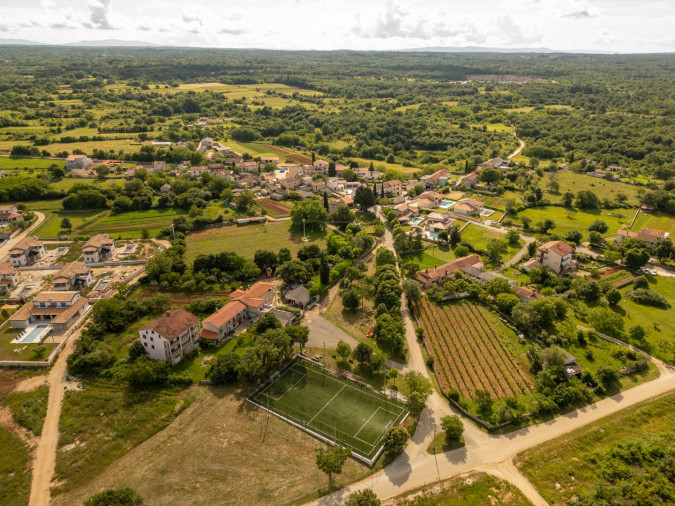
column 315, row 433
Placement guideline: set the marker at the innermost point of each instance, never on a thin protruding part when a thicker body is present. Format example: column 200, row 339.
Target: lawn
column 51, row 227
column 476, row 489
column 29, row 163
column 29, row 408
column 14, row 472
column 566, row 219
column 103, row 422
column 30, row 352
column 338, row 409
column 659, row 221
column 479, row 237
column 571, row 466
column 432, row 256
column 246, row 239
column 575, row 182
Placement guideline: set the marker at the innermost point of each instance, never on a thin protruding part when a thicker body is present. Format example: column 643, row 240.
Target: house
column 158, row 165
column 318, row 187
column 468, row 207
column 289, row 167
column 78, row 162
column 98, row 249
column 436, row 180
column 165, row 188
column 646, row 208
column 435, row 276
column 269, row 159
column 333, row 204
column 204, row 144
column 59, row 309
column 603, row 175
column 320, row 166
column 335, row 184
column 171, row 336
column 468, row 181
column 27, row 252
column 393, row 188
column 291, row 182
column 525, row 294
column 648, row 235
column 9, row 214
column 298, row 295
column 439, row 221
column 72, row 277
column 556, row 255
column 368, row 175
column 244, row 305
column 9, row 278
column 405, row 213
column 428, row 200
column 571, row 367
column 495, row 163
column 197, row 171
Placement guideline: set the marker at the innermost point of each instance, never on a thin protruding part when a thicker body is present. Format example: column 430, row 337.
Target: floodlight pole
column 304, row 235
column 384, row 389
column 323, row 375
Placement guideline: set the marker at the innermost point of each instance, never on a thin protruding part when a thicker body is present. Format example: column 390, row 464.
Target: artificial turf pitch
column 332, row 407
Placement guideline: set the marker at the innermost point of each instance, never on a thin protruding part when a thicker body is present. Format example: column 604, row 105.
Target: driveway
column 322, row 331
column 13, row 242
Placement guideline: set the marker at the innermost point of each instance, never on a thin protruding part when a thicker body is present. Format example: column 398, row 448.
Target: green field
column 479, row 237
column 29, row 408
column 51, row 227
column 246, row 239
column 14, row 472
column 567, row 219
column 29, row 163
column 431, row 257
column 574, row 182
column 611, row 455
column 337, row 409
column 658, row 221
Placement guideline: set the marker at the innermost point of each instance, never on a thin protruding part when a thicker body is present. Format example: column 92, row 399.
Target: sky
column 623, row 26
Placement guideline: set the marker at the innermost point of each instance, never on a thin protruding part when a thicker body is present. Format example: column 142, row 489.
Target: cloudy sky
column 599, row 25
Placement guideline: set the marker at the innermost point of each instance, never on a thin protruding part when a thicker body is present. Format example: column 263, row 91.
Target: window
column 152, row 339
column 153, row 346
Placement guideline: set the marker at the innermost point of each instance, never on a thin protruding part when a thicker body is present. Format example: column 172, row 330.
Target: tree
column 635, row 258
column 224, row 369
column 606, row 321
column 596, row 238
column 513, row 237
column 331, row 459
column 490, row 175
column 102, row 170
column 453, row 427
column 331, row 169
column 342, row 217
column 364, row 198
column 586, row 199
column 392, row 374
column 613, row 297
column 568, row 198
column 497, row 286
column 294, row 272
column 245, row 201
column 343, row 350
column 412, row 289
column 324, row 271
column 310, row 210
column 495, row 249
column 362, row 353
column 325, row 200
column 455, row 236
column 284, row 255
column 66, row 224
column 485, row 403
column 637, row 332
column 115, row 497
column 265, row 258
column 664, row 249
column 606, row 375
column 574, row 236
column 377, row 361
column 395, row 440
column 351, row 299
column 349, row 175
column 598, row 226
column 506, row 302
column 363, row 498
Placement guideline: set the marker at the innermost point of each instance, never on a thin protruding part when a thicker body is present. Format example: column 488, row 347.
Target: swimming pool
column 32, row 335
column 417, row 220
column 432, row 236
column 447, row 203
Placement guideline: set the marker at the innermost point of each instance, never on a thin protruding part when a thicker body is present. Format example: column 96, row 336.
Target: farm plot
column 473, row 350
column 274, row 207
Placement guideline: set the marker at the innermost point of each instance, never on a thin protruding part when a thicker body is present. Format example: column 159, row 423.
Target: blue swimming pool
column 417, row 220
column 447, row 203
column 432, row 236
column 35, row 334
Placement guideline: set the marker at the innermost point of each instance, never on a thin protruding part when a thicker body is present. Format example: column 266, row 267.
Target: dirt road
column 517, row 151
column 45, row 456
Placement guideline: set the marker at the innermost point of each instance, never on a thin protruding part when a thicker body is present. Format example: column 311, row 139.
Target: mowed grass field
column 659, row 221
column 570, row 466
column 575, row 182
column 337, row 409
column 567, row 220
column 246, row 239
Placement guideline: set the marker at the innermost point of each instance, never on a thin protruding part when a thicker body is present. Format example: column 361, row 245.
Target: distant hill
column 81, row 43
column 20, row 42
column 477, row 49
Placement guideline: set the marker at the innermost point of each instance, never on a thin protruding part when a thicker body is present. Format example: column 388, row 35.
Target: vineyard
column 473, row 350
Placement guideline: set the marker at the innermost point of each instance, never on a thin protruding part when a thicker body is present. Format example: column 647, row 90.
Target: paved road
column 13, row 242
column 482, row 452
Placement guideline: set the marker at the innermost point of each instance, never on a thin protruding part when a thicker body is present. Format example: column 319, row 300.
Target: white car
column 654, row 272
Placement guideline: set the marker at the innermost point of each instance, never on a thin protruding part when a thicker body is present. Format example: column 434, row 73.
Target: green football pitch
column 331, row 407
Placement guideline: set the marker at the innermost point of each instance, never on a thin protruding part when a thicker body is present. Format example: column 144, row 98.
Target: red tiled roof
column 559, row 247
column 226, row 313
column 172, row 323
column 446, row 269
column 209, row 335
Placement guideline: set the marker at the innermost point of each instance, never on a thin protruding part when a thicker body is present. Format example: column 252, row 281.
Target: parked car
column 654, row 272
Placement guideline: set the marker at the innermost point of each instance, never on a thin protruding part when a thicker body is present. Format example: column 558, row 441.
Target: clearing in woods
column 334, row 408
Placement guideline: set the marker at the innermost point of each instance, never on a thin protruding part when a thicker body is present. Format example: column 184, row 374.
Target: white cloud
column 578, row 9
column 100, row 14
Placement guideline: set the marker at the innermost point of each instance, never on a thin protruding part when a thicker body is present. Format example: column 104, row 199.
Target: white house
column 321, row 166
column 468, row 207
column 59, row 309
column 78, row 162
column 9, row 214
column 171, row 336
column 27, row 252
column 72, row 276
column 98, row 249
column 9, row 278
column 556, row 255
column 244, row 305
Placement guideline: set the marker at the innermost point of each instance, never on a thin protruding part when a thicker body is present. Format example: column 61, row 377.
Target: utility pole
column 438, row 473
column 304, row 235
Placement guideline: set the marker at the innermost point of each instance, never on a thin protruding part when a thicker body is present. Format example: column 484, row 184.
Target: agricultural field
column 51, row 227
column 337, row 409
column 246, row 239
column 473, row 350
column 7, row 163
column 275, row 208
column 566, row 219
column 623, row 455
column 476, row 489
column 616, row 276
column 575, row 182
